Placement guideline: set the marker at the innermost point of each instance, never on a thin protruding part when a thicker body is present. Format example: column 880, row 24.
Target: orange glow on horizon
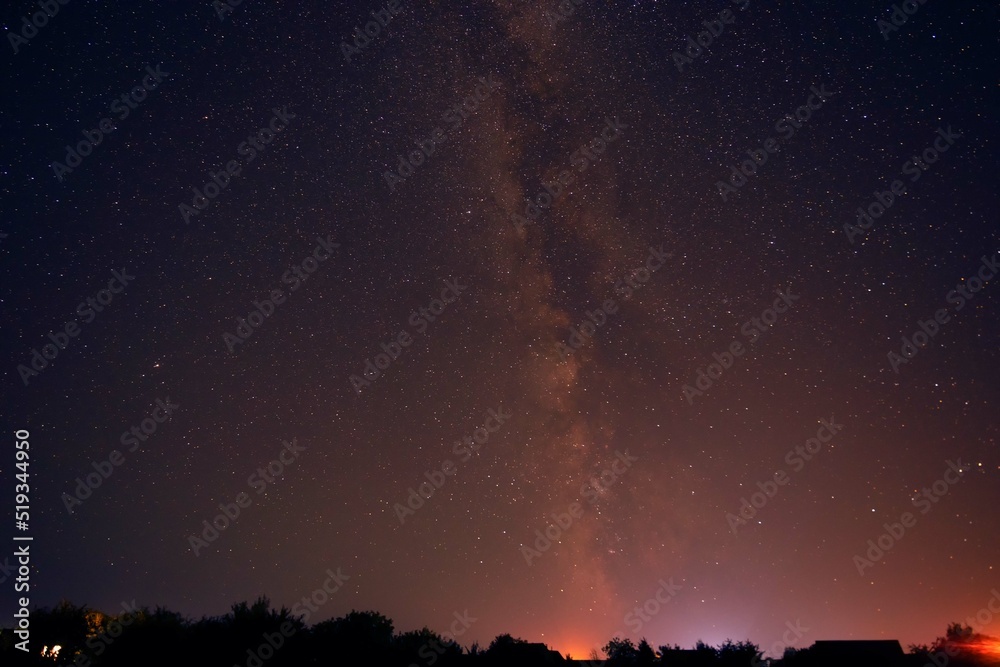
column 987, row 647
column 579, row 649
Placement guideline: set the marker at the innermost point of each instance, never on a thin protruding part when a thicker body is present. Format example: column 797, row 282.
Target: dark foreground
column 256, row 635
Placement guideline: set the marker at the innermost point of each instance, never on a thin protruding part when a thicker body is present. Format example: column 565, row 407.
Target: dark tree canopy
column 258, row 635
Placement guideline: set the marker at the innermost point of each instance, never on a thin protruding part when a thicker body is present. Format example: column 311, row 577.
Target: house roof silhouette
column 542, row 653
column 858, row 653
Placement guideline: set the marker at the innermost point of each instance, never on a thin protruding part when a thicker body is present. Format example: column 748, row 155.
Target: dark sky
column 384, row 248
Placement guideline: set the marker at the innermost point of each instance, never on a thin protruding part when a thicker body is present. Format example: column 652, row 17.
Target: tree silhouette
column 737, row 654
column 161, row 628
column 358, row 637
column 620, row 652
column 644, row 654
column 960, row 645
column 424, row 647
column 66, row 626
column 257, row 635
column 795, row 657
column 504, row 649
column 503, row 643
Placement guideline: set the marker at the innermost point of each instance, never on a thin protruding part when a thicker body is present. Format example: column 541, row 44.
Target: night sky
column 654, row 339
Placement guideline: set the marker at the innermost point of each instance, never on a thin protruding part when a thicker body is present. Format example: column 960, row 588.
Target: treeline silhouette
column 256, row 635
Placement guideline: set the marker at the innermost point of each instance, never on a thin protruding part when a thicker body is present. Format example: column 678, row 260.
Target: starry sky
column 626, row 137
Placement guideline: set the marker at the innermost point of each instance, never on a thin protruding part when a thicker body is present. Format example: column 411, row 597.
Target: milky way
column 533, row 311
